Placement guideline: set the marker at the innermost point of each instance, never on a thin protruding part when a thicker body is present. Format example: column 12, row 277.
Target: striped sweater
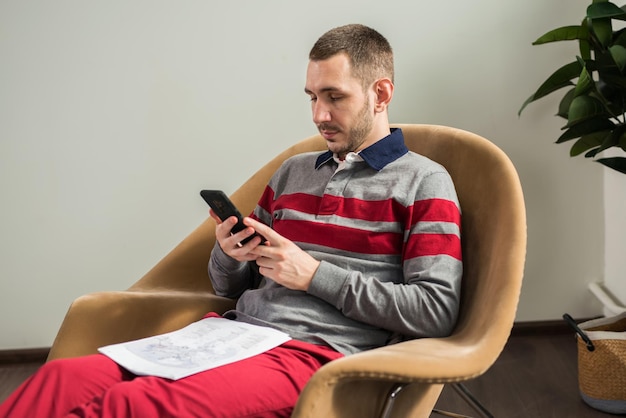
column 386, row 229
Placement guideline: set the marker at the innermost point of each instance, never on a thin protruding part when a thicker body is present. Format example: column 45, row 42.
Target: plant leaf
column 619, row 37
column 603, row 30
column 611, row 140
column 587, row 142
column 583, row 41
column 604, row 9
column 564, row 33
column 587, row 127
column 565, row 103
column 585, row 82
column 616, row 163
column 618, row 53
column 559, row 79
column 623, row 16
column 583, row 108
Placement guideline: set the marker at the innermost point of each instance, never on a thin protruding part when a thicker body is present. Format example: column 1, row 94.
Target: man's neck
column 378, row 132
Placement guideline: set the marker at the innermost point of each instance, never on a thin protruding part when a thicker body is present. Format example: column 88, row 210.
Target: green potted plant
column 595, row 103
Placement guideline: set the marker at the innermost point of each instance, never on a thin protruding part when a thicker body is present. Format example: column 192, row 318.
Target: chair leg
column 464, row 392
column 391, row 399
column 459, row 387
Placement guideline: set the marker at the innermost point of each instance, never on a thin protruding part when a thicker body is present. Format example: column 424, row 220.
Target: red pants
column 266, row 385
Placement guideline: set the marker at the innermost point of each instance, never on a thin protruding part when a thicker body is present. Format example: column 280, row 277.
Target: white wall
column 615, row 238
column 113, row 115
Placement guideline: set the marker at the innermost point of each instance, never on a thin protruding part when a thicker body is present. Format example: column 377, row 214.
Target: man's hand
column 280, row 259
column 230, row 244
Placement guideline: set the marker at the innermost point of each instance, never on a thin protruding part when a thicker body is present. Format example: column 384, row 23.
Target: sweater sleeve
column 230, row 278
column 426, row 303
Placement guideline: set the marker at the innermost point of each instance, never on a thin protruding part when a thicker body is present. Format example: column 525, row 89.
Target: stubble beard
column 357, row 134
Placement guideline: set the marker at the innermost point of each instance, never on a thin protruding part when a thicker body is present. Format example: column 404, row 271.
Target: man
column 361, row 248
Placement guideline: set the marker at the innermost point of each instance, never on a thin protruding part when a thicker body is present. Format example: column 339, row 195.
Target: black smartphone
column 224, row 209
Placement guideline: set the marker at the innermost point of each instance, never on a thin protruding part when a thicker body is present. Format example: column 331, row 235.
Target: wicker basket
column 602, row 363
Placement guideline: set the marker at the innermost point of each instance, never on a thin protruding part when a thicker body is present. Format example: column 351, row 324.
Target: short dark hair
column 370, row 54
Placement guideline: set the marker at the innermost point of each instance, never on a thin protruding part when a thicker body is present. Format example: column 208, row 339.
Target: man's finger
column 262, row 229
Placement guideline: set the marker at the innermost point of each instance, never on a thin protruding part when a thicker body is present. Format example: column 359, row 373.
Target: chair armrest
column 432, row 360
column 103, row 318
column 426, row 364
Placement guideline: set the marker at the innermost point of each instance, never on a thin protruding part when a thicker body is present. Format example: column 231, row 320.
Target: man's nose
column 320, row 113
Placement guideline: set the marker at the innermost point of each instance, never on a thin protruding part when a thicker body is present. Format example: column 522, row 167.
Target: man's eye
column 312, row 98
column 335, row 98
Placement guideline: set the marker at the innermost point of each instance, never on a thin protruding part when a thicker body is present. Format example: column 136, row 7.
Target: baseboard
column 24, row 355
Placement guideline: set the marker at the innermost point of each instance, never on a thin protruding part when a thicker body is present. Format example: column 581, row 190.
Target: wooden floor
column 535, row 376
column 11, row 375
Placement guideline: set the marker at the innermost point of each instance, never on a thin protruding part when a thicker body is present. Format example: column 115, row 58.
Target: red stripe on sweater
column 424, row 245
column 340, row 237
column 374, row 211
column 435, row 210
column 428, row 210
column 267, row 199
column 363, row 241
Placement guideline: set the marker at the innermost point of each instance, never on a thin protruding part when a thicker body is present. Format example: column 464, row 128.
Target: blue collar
column 377, row 155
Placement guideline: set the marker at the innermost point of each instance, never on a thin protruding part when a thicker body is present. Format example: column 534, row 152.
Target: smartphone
column 224, row 209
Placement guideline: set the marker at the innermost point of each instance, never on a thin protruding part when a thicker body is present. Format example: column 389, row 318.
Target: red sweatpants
column 266, row 385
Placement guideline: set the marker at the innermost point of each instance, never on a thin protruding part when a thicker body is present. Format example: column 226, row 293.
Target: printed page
column 202, row 345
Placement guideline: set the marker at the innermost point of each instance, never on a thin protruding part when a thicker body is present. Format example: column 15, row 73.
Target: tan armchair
column 177, row 291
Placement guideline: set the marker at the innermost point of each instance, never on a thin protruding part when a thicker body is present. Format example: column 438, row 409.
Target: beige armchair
column 401, row 380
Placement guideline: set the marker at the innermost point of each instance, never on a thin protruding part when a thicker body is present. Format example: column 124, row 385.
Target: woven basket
column 602, row 372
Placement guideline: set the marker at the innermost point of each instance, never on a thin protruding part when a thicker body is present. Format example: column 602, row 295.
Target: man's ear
column 383, row 89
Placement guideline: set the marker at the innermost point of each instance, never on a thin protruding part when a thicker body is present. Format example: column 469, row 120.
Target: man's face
column 342, row 111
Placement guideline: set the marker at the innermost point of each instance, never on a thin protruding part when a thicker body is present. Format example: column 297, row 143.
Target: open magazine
column 202, row 345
